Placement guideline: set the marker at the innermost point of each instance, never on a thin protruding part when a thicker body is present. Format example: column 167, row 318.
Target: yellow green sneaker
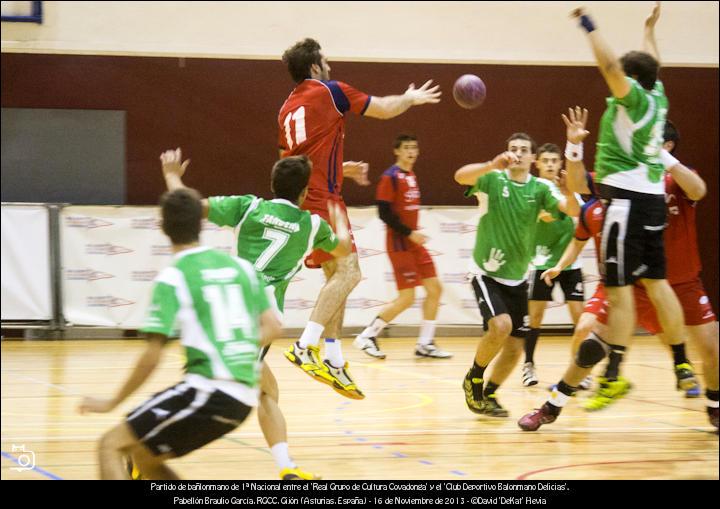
column 607, row 393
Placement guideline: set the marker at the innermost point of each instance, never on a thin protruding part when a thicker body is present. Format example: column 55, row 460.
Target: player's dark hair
column 549, row 147
column 290, row 176
column 182, row 215
column 643, row 65
column 403, row 137
column 526, row 137
column 670, row 133
column 301, row 57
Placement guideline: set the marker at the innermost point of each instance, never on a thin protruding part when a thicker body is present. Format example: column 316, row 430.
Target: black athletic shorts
column 495, row 298
column 632, row 238
column 571, row 282
column 182, row 418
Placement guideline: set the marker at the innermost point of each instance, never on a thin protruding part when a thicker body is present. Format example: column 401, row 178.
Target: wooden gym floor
column 413, row 423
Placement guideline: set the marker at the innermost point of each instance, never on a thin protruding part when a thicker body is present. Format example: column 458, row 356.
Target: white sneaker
column 369, row 346
column 586, row 383
column 529, row 377
column 430, row 350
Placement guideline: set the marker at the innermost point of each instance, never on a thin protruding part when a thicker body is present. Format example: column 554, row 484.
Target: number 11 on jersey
column 299, row 117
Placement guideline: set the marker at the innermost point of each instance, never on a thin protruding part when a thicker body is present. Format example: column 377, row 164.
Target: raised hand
column 495, row 261
column 424, row 94
column 575, row 121
column 172, row 163
column 502, row 161
column 652, row 19
column 357, row 171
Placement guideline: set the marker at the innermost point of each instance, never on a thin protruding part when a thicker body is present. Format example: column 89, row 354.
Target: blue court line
column 39, row 470
column 457, row 472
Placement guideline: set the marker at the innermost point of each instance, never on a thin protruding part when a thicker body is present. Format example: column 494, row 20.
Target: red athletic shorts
column 319, row 207
column 411, row 266
column 691, row 294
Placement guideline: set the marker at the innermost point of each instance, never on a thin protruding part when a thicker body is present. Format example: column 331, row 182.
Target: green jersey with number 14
column 630, row 139
column 217, row 300
column 274, row 235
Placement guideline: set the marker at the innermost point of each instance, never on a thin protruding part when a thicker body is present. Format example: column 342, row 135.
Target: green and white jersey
column 505, row 237
column 274, row 235
column 630, row 139
column 552, row 238
column 217, row 300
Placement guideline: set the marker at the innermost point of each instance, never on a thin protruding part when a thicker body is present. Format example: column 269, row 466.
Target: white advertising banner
column 26, row 278
column 111, row 255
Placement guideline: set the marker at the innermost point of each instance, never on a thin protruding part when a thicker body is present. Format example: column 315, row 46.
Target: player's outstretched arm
column 576, row 176
column 468, row 174
column 391, row 106
column 143, row 369
column 572, row 251
column 173, row 168
column 689, row 181
column 608, row 63
column 649, row 40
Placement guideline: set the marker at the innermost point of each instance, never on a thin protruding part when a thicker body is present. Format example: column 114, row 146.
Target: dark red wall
column 223, row 114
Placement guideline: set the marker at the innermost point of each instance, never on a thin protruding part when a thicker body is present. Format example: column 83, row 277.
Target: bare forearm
column 571, row 206
column 690, row 182
column 576, row 177
column 572, row 251
column 174, row 182
column 468, row 174
column 389, row 106
column 650, row 44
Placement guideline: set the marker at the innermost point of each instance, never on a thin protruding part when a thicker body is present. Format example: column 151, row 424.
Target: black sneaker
column 492, row 408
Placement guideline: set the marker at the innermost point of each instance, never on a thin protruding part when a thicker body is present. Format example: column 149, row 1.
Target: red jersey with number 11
column 312, row 122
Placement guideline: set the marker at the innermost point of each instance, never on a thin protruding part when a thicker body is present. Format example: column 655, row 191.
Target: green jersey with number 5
column 508, row 221
column 630, row 139
column 274, row 235
column 217, row 300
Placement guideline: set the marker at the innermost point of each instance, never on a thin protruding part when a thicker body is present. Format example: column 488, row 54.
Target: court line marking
column 34, row 468
column 533, row 472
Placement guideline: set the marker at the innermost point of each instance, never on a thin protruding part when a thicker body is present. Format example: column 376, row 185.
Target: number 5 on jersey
column 299, row 117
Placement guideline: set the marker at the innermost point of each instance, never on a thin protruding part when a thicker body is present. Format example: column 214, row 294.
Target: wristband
column 667, row 159
column 574, row 151
column 587, row 23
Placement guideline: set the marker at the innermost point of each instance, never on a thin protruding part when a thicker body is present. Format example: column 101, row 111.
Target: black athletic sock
column 476, row 371
column 566, row 389
column 530, row 343
column 712, row 395
column 679, row 355
column 613, row 367
column 490, row 388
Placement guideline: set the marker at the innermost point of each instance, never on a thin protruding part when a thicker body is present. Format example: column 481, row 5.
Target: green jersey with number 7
column 274, row 235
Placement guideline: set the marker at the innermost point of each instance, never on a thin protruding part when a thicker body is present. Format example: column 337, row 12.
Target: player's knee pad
column 591, row 351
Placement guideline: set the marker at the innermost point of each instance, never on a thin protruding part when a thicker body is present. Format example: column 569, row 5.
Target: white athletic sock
column 374, row 328
column 558, row 399
column 333, row 352
column 427, row 332
column 713, row 404
column 311, row 335
column 282, row 456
